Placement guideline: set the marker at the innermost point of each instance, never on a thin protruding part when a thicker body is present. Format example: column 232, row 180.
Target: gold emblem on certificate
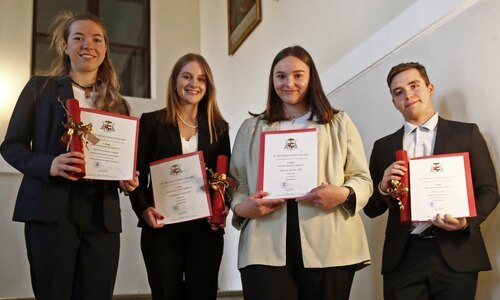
column 114, row 156
column 180, row 189
column 441, row 184
column 288, row 163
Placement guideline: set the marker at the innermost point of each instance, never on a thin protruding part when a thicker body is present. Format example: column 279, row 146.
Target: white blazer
column 329, row 238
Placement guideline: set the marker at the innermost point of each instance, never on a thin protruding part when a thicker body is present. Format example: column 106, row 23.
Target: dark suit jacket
column 463, row 250
column 30, row 146
column 158, row 141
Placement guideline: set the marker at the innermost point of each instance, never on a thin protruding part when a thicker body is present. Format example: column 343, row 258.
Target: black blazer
column 463, row 250
column 159, row 141
column 31, row 144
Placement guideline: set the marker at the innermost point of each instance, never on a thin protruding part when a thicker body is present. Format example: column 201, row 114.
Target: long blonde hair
column 207, row 107
column 107, row 83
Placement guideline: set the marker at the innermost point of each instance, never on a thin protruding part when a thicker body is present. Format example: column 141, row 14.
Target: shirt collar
column 429, row 124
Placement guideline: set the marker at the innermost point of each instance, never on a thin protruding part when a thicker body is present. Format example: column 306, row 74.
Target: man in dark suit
column 439, row 259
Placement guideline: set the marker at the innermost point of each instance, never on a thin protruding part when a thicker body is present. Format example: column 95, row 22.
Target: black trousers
column 293, row 281
column 183, row 260
column 75, row 257
column 423, row 274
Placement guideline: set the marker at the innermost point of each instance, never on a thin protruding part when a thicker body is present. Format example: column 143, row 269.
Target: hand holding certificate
column 438, row 184
column 288, row 163
column 114, row 156
column 180, row 189
column 107, row 140
column 441, row 184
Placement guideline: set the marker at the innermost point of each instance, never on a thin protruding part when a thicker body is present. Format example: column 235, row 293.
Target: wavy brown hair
column 207, row 107
column 315, row 98
column 107, row 83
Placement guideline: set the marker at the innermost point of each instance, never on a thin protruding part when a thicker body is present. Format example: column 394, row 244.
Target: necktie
column 421, row 148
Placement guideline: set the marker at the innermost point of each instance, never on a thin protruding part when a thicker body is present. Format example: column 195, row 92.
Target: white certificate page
column 438, row 185
column 179, row 188
column 114, row 156
column 289, row 163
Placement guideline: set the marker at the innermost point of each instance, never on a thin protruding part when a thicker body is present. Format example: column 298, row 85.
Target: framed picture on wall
column 243, row 17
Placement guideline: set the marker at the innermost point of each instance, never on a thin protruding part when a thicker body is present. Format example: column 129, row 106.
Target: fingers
column 307, row 197
column 275, row 206
column 447, row 222
column 312, row 195
column 325, row 196
column 152, row 217
column 258, row 195
column 131, row 184
column 393, row 172
column 256, row 206
column 63, row 165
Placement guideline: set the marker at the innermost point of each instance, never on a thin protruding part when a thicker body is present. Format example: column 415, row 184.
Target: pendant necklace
column 185, row 123
column 86, row 90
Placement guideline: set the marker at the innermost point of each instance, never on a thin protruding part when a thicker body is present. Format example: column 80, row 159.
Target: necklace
column 86, row 89
column 185, row 123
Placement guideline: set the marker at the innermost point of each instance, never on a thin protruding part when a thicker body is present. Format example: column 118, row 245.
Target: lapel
column 64, row 89
column 203, row 132
column 174, row 138
column 443, row 132
column 396, row 142
column 64, row 92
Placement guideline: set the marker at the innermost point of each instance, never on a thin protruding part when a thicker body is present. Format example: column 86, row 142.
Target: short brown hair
column 407, row 66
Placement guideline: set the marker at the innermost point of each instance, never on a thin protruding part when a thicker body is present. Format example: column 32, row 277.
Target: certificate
column 441, row 184
column 180, row 189
column 288, row 163
column 114, row 156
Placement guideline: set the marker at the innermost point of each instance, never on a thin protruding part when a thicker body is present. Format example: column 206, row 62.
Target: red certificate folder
column 76, row 143
column 436, row 167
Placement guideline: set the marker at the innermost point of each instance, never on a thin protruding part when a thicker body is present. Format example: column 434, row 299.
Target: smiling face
column 85, row 46
column 191, row 84
column 412, row 97
column 291, row 81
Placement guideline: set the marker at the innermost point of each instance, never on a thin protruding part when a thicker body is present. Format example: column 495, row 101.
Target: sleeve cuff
column 350, row 204
column 381, row 191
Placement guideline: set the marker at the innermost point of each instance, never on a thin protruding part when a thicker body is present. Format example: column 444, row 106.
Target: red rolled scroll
column 404, row 192
column 75, row 142
column 218, row 205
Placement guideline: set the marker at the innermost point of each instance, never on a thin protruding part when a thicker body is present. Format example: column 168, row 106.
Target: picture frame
column 243, row 17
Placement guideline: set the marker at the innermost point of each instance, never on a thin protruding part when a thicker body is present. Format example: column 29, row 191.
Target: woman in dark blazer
column 72, row 226
column 182, row 259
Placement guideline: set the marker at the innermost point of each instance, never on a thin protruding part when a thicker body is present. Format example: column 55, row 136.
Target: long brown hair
column 315, row 98
column 207, row 107
column 107, row 84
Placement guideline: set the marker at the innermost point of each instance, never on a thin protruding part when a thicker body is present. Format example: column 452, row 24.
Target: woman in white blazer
column 309, row 247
